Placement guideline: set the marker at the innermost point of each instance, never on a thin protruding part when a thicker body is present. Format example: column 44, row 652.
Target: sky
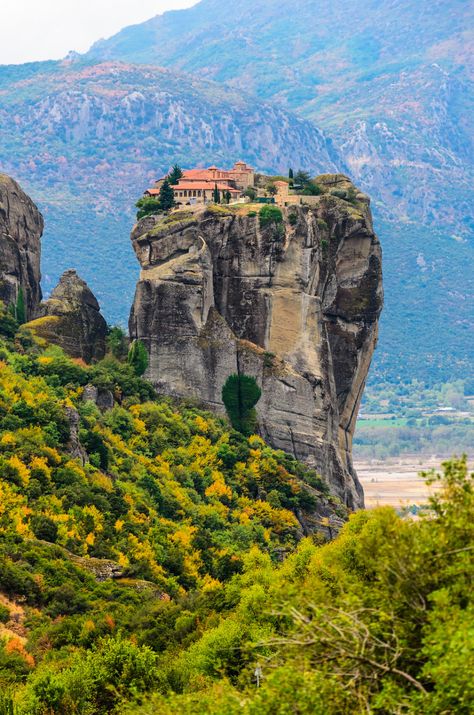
column 47, row 29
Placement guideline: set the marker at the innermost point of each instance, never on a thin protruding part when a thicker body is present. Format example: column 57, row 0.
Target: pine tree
column 166, row 196
column 20, row 309
column 138, row 357
column 217, row 196
column 175, row 175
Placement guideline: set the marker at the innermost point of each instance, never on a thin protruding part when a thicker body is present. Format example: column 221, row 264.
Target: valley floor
column 397, row 482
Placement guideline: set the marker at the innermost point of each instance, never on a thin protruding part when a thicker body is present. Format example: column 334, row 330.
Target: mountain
column 86, row 140
column 391, row 83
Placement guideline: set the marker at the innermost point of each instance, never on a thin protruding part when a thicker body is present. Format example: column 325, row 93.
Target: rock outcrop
column 71, row 318
column 21, row 227
column 294, row 303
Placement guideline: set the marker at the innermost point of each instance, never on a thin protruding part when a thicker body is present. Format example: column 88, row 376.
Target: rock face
column 294, row 304
column 71, row 318
column 21, row 227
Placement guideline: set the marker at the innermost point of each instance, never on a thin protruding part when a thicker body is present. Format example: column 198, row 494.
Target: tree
column 147, row 206
column 227, row 196
column 240, row 394
column 138, row 357
column 312, row 189
column 20, row 309
column 302, row 178
column 216, row 195
column 117, row 342
column 251, row 193
column 271, row 189
column 175, row 175
column 291, row 175
column 166, row 196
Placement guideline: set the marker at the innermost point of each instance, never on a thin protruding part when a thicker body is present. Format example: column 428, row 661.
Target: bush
column 44, row 528
column 148, row 206
column 138, row 357
column 270, row 214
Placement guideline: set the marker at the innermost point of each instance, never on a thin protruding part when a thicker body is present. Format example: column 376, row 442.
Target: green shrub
column 293, row 219
column 44, row 528
column 138, row 357
column 270, row 214
column 148, row 206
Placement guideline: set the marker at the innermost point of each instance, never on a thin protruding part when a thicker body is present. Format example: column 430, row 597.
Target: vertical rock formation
column 294, row 303
column 71, row 318
column 21, row 227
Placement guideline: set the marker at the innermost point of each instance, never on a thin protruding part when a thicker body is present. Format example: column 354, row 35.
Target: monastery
column 197, row 186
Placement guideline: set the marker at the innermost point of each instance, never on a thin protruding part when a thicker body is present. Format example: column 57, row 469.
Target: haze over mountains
column 389, row 83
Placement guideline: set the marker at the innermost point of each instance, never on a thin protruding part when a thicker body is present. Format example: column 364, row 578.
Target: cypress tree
column 240, row 394
column 175, row 175
column 166, row 196
column 290, row 174
column 217, row 196
column 138, row 357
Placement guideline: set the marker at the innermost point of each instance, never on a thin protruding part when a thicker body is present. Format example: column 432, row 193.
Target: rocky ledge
column 71, row 318
column 292, row 302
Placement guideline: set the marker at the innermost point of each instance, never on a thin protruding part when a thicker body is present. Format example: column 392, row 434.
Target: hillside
column 153, row 560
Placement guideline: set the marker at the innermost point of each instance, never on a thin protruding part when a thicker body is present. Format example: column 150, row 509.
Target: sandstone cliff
column 71, row 318
column 21, row 227
column 294, row 304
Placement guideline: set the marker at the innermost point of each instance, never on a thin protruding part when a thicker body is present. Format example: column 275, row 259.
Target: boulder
column 71, row 318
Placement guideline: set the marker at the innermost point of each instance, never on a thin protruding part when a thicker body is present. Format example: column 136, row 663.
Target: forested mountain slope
column 153, row 560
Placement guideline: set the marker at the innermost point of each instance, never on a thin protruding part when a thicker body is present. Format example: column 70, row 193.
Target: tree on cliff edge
column 175, row 175
column 166, row 196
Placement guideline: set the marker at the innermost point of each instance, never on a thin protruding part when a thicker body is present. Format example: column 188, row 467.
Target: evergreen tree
column 166, row 196
column 117, row 342
column 217, row 196
column 20, row 309
column 138, row 357
column 240, row 394
column 227, row 196
column 175, row 175
column 291, row 175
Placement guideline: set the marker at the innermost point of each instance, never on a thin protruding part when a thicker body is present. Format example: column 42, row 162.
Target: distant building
column 201, row 191
column 197, row 185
